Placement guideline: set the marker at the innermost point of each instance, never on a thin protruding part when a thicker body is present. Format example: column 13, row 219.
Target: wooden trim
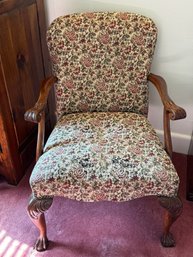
column 7, row 6
column 43, row 31
column 46, row 58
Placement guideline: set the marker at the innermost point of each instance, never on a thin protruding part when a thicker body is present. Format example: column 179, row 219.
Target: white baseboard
column 180, row 142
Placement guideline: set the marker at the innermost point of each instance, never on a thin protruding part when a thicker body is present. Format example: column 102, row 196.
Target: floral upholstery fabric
column 103, row 147
column 96, row 156
column 102, row 61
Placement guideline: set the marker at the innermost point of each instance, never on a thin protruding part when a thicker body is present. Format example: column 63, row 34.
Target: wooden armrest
column 35, row 113
column 175, row 112
column 171, row 110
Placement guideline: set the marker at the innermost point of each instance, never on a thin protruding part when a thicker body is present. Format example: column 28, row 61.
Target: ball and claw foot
column 173, row 206
column 168, row 240
column 41, row 244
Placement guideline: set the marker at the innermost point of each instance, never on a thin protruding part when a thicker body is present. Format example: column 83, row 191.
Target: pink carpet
column 104, row 229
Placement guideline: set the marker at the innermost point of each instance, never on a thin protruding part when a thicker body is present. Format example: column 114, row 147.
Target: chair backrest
column 102, row 61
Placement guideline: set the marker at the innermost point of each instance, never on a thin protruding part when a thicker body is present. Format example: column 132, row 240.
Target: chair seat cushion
column 113, row 156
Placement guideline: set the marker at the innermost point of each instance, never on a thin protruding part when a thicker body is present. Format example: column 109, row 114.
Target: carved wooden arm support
column 35, row 113
column 171, row 110
column 175, row 112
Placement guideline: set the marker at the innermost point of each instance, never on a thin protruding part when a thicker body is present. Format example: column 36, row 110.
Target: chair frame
column 172, row 205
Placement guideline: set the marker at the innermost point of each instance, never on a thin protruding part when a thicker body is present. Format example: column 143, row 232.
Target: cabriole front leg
column 173, row 206
column 36, row 209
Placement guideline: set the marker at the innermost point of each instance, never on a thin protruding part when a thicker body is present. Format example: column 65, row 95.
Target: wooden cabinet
column 23, row 65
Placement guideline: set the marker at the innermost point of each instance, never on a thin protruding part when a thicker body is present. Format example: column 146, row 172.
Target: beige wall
column 173, row 57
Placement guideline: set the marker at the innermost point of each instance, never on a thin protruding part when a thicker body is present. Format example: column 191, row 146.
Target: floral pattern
column 103, row 147
column 96, row 156
column 102, row 61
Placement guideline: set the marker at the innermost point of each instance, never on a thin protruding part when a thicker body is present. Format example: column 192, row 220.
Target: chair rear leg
column 36, row 209
column 173, row 206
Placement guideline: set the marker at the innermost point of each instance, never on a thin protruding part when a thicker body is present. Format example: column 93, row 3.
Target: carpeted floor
column 103, row 229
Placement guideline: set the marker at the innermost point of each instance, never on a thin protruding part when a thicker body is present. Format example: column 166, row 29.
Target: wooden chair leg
column 36, row 209
column 173, row 206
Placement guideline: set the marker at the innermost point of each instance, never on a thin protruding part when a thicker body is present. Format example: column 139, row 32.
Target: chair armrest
column 35, row 113
column 175, row 112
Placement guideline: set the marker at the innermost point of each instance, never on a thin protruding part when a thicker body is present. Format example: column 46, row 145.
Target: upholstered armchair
column 103, row 147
